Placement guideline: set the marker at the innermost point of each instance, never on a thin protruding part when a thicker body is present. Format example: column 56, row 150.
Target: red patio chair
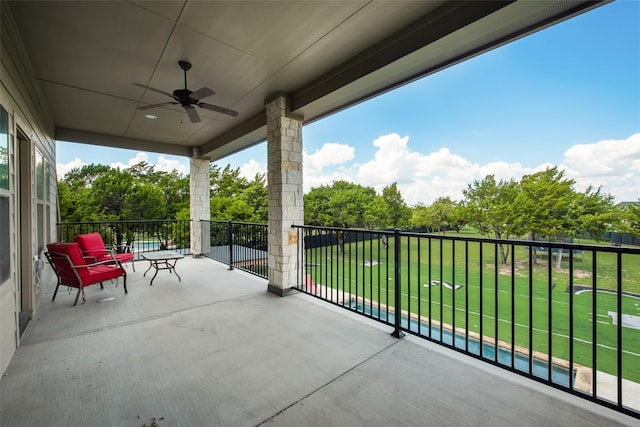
column 93, row 247
column 73, row 271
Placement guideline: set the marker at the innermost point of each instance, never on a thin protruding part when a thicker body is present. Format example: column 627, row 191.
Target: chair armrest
column 89, row 259
column 94, row 258
column 126, row 249
column 111, row 261
column 88, row 252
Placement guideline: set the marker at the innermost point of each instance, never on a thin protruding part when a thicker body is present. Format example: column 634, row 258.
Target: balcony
column 216, row 349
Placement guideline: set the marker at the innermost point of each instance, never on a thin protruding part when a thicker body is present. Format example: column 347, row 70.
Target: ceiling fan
column 187, row 98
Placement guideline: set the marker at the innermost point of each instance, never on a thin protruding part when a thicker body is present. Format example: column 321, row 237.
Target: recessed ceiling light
column 151, row 116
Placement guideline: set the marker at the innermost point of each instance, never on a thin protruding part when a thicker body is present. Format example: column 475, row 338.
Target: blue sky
column 566, row 96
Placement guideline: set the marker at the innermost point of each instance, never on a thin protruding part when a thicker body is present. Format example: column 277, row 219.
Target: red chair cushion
column 92, row 245
column 66, row 273
column 100, row 273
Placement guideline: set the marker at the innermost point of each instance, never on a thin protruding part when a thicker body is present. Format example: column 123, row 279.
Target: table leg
column 166, row 265
column 155, row 265
column 174, row 270
column 150, row 265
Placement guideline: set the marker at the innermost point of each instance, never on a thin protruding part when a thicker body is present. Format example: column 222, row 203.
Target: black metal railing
column 240, row 245
column 526, row 306
column 141, row 236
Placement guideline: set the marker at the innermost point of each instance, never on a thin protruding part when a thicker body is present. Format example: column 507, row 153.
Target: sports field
column 520, row 303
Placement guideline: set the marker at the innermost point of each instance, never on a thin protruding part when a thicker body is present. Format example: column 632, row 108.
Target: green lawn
column 423, row 261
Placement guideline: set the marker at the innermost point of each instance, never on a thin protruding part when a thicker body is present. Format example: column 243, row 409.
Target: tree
column 442, row 213
column 376, row 214
column 143, row 201
column 544, row 203
column 73, row 203
column 84, row 176
column 551, row 208
column 226, row 182
column 459, row 218
column 255, row 195
column 175, row 189
column 343, row 204
column 398, row 212
column 632, row 218
column 594, row 213
column 99, row 193
column 230, row 209
column 317, row 205
column 348, row 203
column 420, row 217
column 234, row 198
column 75, row 194
column 108, row 192
column 491, row 206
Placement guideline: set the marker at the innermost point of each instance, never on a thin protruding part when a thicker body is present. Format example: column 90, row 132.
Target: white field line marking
column 555, row 334
column 485, row 290
column 521, row 325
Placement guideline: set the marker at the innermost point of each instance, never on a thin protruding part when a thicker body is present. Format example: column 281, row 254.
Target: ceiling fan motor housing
column 183, row 96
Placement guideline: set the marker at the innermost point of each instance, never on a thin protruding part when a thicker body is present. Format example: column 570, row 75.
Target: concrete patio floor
column 217, row 349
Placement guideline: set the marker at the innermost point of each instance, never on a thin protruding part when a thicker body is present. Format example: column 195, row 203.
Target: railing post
column 205, row 237
column 230, row 243
column 397, row 303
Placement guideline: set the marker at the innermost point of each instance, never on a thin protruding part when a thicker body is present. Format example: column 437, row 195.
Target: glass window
column 4, row 239
column 47, row 181
column 40, row 226
column 4, row 149
column 39, row 175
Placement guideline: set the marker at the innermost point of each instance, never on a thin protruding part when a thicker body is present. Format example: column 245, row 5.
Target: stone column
column 199, row 205
column 284, row 178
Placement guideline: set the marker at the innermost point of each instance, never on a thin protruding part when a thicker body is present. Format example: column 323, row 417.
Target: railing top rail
column 515, row 242
column 131, row 221
column 234, row 222
column 356, row 230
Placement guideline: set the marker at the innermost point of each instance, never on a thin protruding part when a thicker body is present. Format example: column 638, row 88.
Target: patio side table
column 162, row 260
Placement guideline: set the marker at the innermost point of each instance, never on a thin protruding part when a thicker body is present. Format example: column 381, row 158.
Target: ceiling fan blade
column 162, row 104
column 218, row 109
column 203, row 92
column 153, row 89
column 192, row 113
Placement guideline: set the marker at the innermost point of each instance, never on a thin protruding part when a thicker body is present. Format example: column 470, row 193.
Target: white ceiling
column 325, row 55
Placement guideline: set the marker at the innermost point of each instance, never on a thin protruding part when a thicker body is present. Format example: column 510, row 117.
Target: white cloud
column 317, row 179
column 169, row 165
column 421, row 178
column 604, row 157
column 140, row 157
column 251, row 168
column 612, row 164
column 63, row 168
column 163, row 164
column 329, row 155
